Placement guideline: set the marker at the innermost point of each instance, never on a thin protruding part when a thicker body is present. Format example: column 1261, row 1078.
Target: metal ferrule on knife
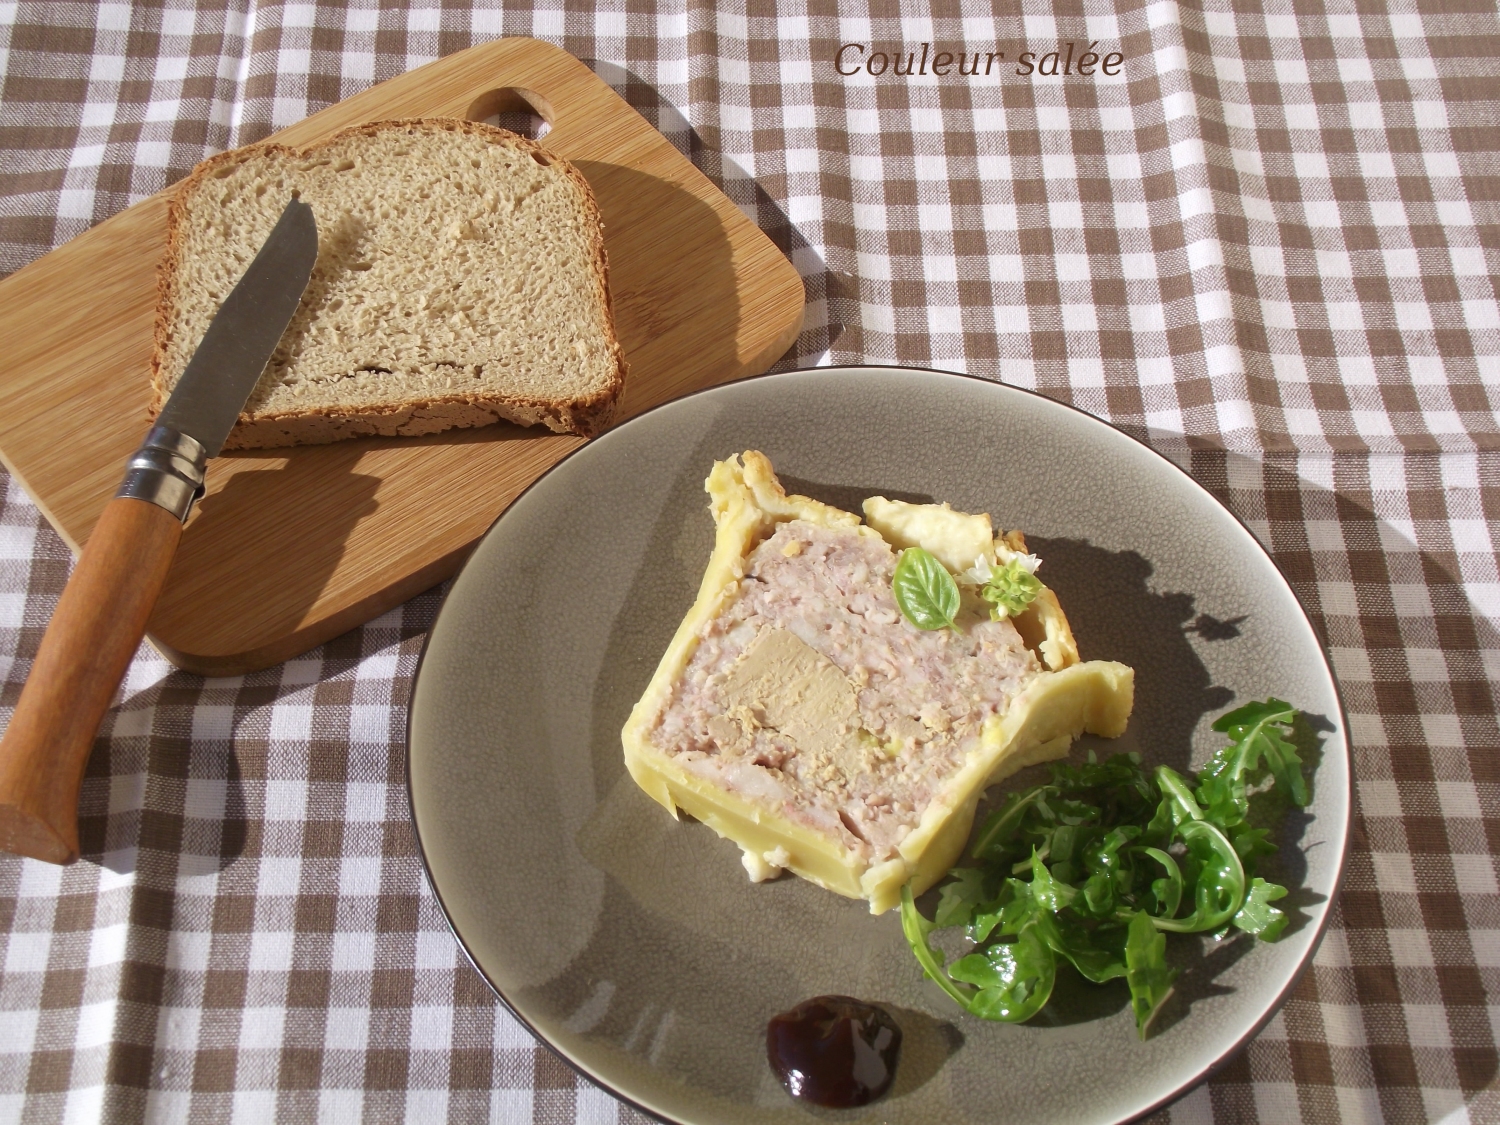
column 167, row 470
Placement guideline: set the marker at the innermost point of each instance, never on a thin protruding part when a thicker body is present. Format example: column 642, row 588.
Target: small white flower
column 1029, row 563
column 976, row 575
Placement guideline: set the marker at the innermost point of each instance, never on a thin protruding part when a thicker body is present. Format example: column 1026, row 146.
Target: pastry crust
column 1062, row 700
column 405, row 415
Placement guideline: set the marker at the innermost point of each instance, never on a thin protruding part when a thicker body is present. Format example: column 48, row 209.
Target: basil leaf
column 1010, row 588
column 925, row 592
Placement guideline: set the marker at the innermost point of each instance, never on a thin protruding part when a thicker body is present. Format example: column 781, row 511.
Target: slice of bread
column 460, row 280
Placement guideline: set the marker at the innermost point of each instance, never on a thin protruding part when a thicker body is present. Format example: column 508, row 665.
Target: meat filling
column 811, row 695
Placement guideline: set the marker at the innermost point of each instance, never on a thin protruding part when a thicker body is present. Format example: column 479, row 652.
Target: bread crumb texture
column 460, row 280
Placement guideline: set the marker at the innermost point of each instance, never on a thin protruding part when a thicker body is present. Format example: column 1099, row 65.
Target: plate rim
column 1179, row 1089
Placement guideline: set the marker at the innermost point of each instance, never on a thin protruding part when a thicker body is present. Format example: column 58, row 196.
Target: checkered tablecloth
column 1268, row 246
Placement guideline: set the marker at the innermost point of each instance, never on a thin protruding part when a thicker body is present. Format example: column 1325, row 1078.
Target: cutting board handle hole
column 521, row 111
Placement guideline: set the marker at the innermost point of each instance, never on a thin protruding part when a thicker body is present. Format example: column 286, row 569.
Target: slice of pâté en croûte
column 799, row 714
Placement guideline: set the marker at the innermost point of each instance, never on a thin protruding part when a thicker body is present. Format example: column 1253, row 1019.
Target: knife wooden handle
column 95, row 630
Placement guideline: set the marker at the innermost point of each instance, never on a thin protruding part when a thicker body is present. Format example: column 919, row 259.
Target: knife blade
column 101, row 616
column 244, row 332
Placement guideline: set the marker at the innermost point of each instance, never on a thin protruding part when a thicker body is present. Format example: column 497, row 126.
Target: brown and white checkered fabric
column 1269, row 246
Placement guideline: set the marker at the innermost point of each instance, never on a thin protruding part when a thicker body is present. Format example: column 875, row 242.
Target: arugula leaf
column 1257, row 731
column 1011, row 588
column 1216, row 875
column 918, row 933
column 1252, row 842
column 957, row 900
column 1109, row 875
column 1176, row 798
column 1074, row 813
column 1098, row 864
column 1014, row 978
column 1098, row 894
column 1065, row 848
column 925, row 592
column 1220, row 883
column 1098, row 954
column 1010, row 910
column 1258, row 916
column 1001, row 825
column 1049, row 894
column 1166, row 892
column 1146, row 970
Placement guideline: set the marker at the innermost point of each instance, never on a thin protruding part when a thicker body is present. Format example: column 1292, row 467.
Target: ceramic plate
column 634, row 945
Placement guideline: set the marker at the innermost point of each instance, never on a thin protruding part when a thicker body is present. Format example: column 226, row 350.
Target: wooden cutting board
column 290, row 547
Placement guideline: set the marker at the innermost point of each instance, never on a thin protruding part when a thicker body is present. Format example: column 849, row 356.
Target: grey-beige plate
column 635, row 945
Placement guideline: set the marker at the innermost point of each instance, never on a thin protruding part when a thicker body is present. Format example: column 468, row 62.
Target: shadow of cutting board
column 290, row 547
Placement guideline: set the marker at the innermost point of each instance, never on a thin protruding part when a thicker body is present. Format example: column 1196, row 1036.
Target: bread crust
column 585, row 415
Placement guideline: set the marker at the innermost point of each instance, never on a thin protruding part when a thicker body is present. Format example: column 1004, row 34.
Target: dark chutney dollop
column 834, row 1051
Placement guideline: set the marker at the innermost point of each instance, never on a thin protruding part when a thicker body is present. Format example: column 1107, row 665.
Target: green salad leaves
column 1099, row 864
